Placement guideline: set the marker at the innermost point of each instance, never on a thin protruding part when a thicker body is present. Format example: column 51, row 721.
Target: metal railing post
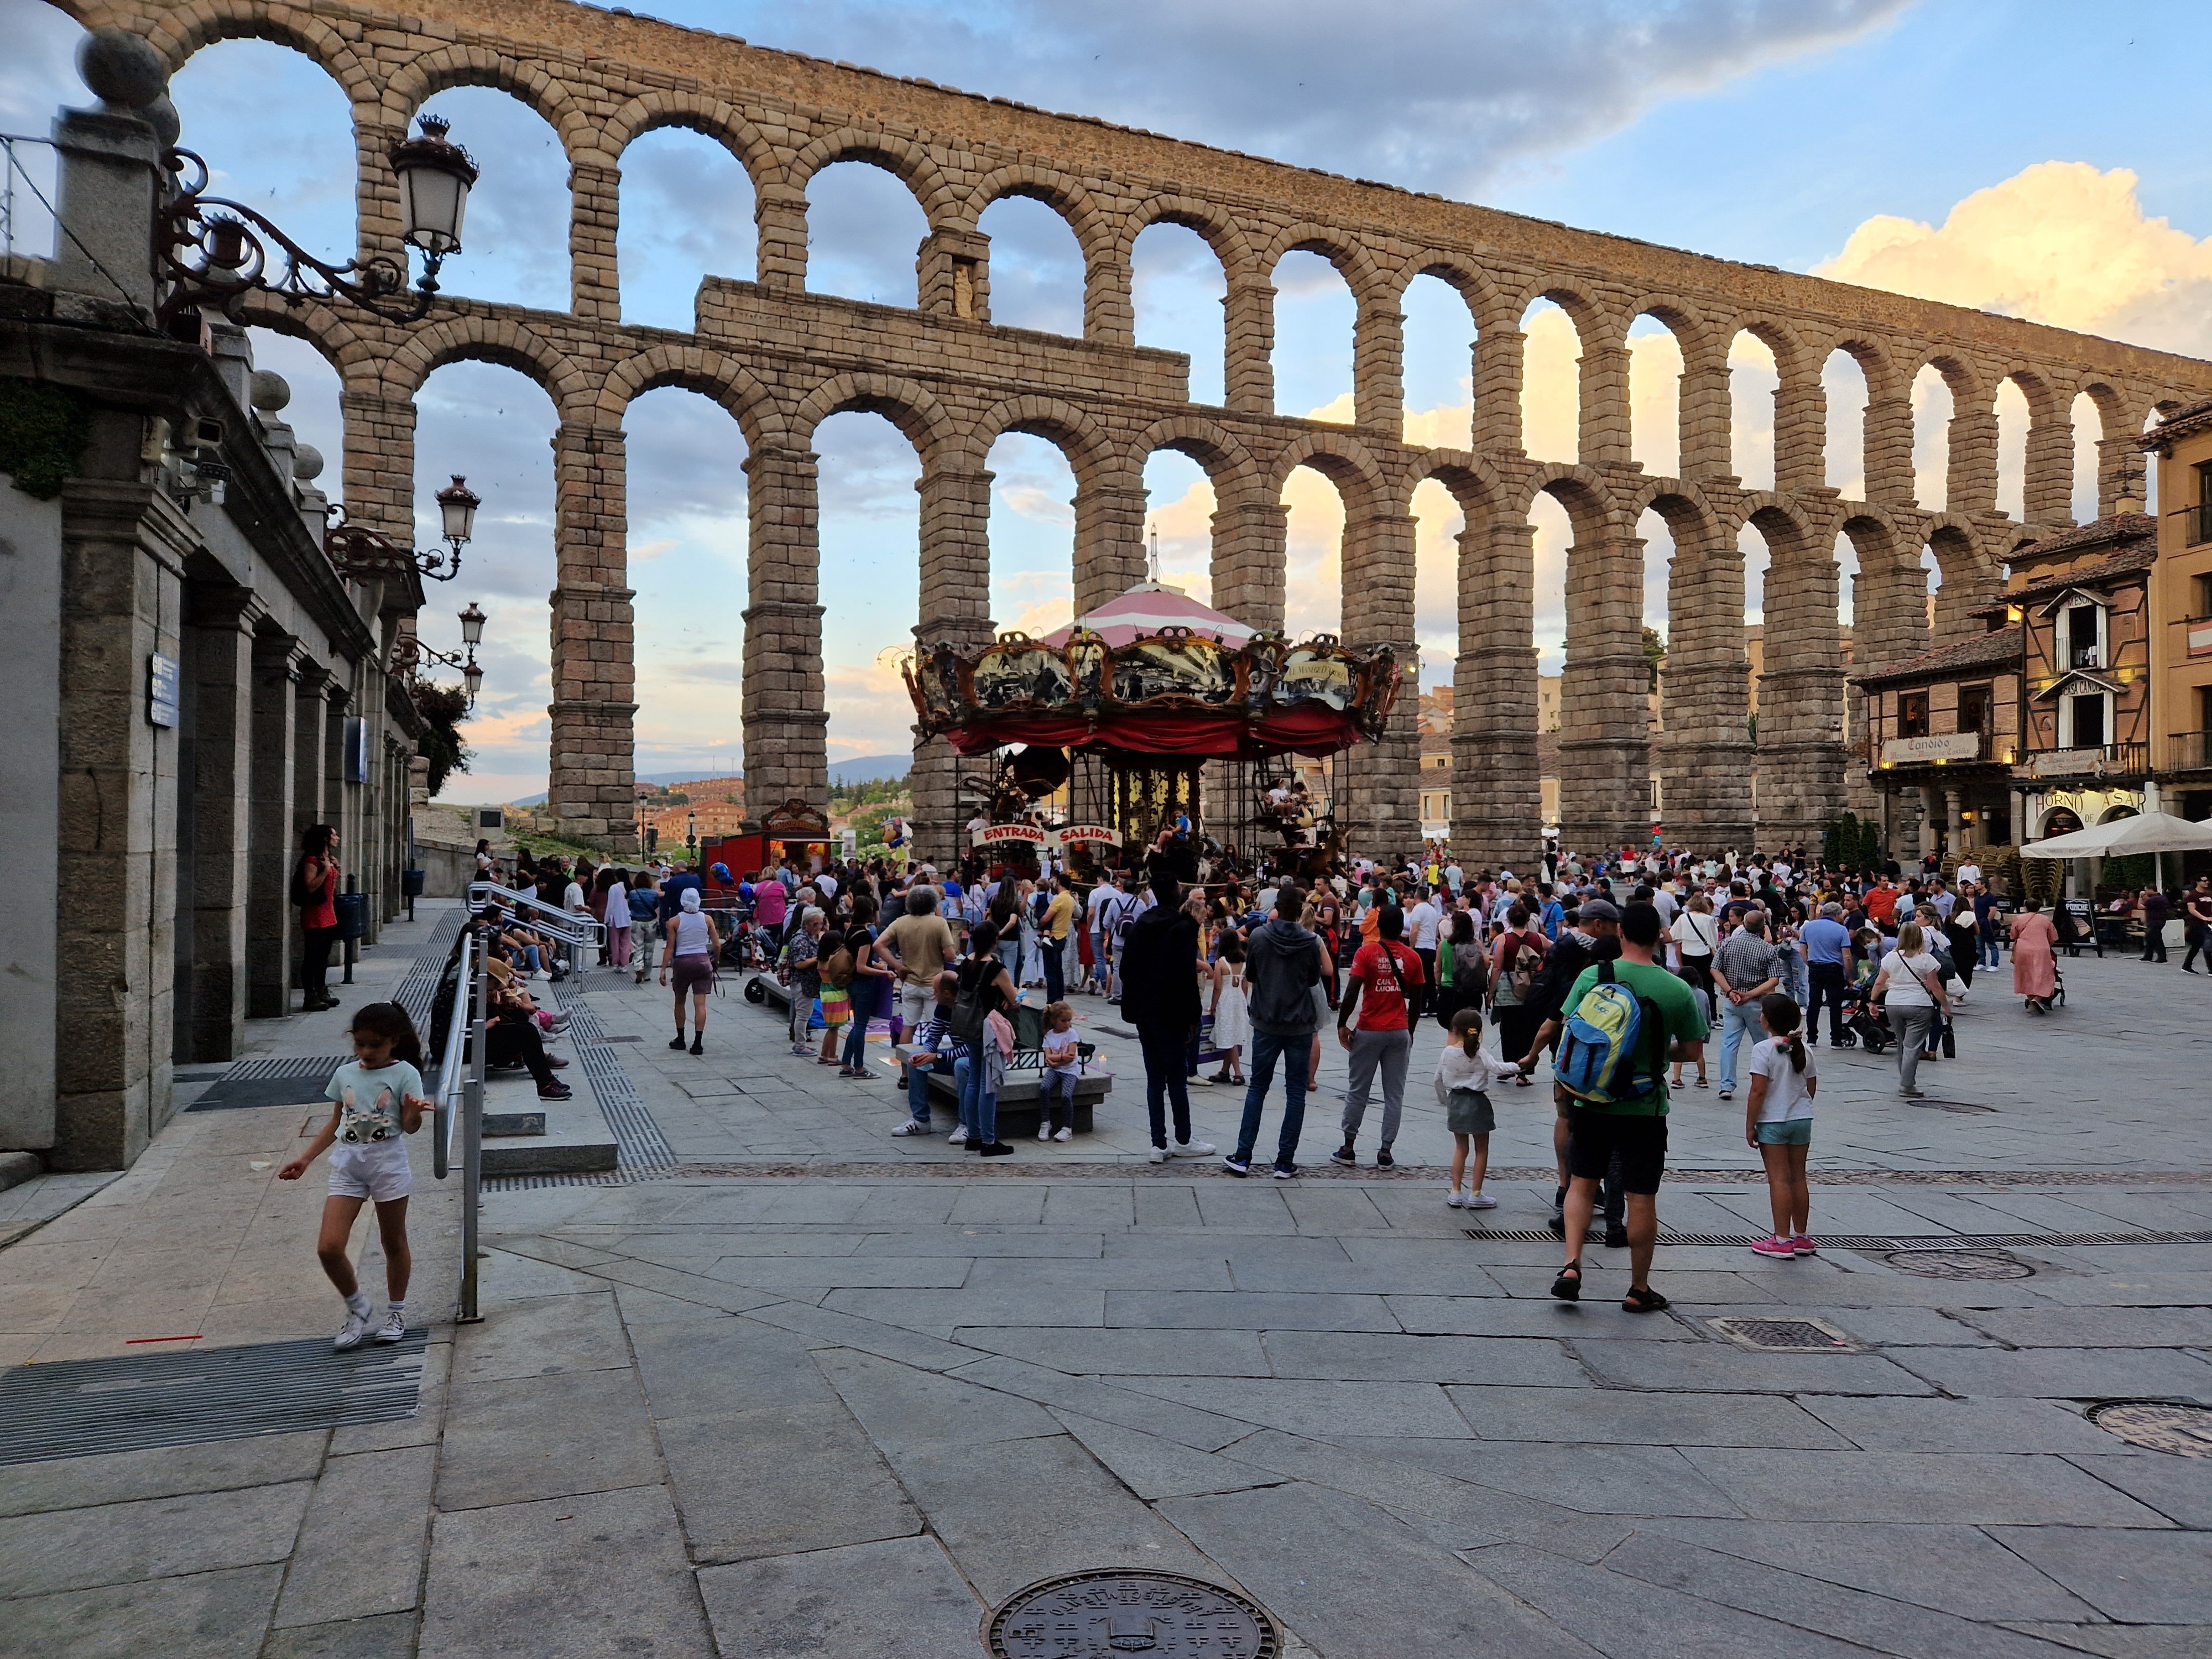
column 472, row 1140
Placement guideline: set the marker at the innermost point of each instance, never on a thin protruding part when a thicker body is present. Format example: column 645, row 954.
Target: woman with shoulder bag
column 1909, row 988
column 1697, row 936
column 315, row 891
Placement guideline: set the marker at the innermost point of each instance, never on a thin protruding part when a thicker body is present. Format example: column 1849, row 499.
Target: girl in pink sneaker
column 1777, row 1119
column 377, row 1102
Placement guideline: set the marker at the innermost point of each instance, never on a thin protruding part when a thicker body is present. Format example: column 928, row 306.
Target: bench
column 1020, row 1108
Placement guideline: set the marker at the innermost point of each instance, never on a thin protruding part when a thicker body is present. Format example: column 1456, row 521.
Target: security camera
column 207, row 431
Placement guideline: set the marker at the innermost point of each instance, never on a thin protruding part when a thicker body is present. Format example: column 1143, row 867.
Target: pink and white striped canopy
column 1150, row 606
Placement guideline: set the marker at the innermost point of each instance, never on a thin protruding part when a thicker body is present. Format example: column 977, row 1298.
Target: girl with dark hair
column 872, row 979
column 315, row 891
column 1777, row 1119
column 378, row 1100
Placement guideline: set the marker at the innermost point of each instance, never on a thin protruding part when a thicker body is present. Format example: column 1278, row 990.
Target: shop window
column 2085, row 636
column 1913, row 714
column 2084, row 719
column 1974, row 709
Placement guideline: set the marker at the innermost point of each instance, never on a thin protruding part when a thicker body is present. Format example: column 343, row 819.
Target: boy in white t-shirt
column 1777, row 1119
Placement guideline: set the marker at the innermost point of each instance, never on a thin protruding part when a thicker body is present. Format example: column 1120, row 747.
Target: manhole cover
column 2158, row 1425
column 1783, row 1336
column 1959, row 1264
column 1087, row 1614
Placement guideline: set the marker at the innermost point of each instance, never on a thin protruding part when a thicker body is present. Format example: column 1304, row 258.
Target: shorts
column 1467, row 1111
column 694, row 972
column 1789, row 1132
column 1593, row 1137
column 376, row 1170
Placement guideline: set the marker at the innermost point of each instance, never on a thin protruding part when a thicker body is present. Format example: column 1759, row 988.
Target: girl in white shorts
column 377, row 1101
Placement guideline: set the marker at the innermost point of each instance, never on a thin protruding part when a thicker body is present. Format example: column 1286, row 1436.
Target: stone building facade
column 782, row 360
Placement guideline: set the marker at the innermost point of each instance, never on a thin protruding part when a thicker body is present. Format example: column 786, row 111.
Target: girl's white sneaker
column 352, row 1332
column 394, row 1330
column 1456, row 1199
column 1480, row 1201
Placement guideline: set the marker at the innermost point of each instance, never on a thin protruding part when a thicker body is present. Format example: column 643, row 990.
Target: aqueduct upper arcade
column 782, row 360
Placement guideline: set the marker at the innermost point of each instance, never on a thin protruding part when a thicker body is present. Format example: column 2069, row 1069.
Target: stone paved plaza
column 820, row 1391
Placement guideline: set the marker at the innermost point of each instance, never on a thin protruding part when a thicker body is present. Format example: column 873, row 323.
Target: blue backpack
column 1614, row 1044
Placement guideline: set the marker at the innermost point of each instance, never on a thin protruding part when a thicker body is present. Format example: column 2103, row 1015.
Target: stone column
column 952, row 274
column 1889, row 437
column 1248, row 337
column 2119, row 473
column 358, row 860
column 1954, row 825
column 786, row 727
column 1497, row 793
column 220, row 650
column 779, row 217
column 1705, row 422
column 1706, row 759
column 272, row 923
column 1378, row 367
column 1927, row 802
column 955, row 604
column 1801, row 432
column 1605, row 726
column 594, row 642
column 1604, row 412
column 1251, row 553
column 594, row 216
column 1109, row 538
column 1109, row 308
column 2048, row 497
column 380, row 462
column 1498, row 362
column 309, row 766
column 1383, row 775
column 107, row 186
column 124, row 546
column 1971, row 477
column 1800, row 696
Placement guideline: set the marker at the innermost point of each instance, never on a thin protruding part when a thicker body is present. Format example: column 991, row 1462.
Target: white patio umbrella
column 2155, row 833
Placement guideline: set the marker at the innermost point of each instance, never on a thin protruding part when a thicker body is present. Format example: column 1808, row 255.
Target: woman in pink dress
column 2034, row 965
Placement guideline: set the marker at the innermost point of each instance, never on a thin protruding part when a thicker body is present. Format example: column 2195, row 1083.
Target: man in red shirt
column 1384, row 986
column 1881, row 900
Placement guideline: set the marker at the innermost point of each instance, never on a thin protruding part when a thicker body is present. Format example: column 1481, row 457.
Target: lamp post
column 691, row 835
column 210, row 251
column 361, row 554
column 409, row 653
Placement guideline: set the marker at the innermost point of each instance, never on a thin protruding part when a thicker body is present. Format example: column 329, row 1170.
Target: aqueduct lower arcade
column 782, row 360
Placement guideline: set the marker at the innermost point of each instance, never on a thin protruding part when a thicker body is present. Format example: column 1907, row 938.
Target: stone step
column 513, row 1123
column 572, row 1139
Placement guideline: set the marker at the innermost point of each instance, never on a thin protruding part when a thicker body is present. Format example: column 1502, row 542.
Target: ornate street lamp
column 361, row 553
column 212, row 251
column 409, row 653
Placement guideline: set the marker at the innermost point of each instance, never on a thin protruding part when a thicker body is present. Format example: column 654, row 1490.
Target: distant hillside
column 865, row 769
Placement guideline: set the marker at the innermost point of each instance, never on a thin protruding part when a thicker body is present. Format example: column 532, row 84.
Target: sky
column 2035, row 159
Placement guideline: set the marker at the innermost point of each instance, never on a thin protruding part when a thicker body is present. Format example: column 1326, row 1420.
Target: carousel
column 1157, row 726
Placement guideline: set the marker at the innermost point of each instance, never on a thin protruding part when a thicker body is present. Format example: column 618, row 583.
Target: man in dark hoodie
column 1282, row 966
column 1159, row 997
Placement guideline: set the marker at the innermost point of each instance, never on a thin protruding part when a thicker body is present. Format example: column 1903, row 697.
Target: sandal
column 1645, row 1300
column 1567, row 1289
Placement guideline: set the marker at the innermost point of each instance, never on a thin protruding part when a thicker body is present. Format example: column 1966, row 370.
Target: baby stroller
column 1864, row 1024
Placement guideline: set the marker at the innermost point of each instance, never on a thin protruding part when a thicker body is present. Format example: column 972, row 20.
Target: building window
column 1974, row 709
column 1913, row 714
column 2200, row 521
column 2083, row 717
column 2203, row 586
column 2082, row 646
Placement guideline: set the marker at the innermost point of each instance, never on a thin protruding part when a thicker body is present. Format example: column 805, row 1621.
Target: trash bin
column 411, row 883
column 353, row 916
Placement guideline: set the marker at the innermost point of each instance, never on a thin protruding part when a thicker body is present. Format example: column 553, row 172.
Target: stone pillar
column 1802, row 759
column 1498, row 362
column 1971, row 479
column 1705, row 760
column 1251, row 553
column 1801, row 432
column 2048, row 495
column 1605, row 435
column 1705, row 420
column 380, row 462
column 594, row 214
column 779, row 217
column 1889, row 437
column 1605, row 726
column 1497, row 793
column 108, row 184
column 1954, row 825
column 1927, row 803
column 218, row 819
column 786, row 727
column 2119, row 473
column 955, row 603
column 1385, row 774
column 1109, row 308
column 358, row 859
column 1109, row 538
column 1891, row 623
column 952, row 274
column 1248, row 341
column 124, row 546
column 594, row 703
column 309, row 767
column 272, row 923
column 1378, row 367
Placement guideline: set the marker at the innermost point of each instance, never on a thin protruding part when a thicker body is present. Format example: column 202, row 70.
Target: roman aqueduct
column 782, row 361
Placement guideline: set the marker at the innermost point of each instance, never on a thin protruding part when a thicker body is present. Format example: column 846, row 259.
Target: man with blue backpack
column 1625, row 1022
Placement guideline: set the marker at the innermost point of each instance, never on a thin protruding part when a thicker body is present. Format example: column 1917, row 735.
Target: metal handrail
column 472, row 1140
column 448, row 1092
column 563, row 925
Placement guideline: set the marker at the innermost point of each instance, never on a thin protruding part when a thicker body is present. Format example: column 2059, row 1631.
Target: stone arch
column 483, row 338
column 907, row 405
column 1485, row 305
column 1340, row 458
column 1220, row 229
column 1582, row 490
column 1700, row 389
column 1094, row 231
column 1473, row 481
column 415, row 83
column 1235, row 475
column 1968, row 575
column 178, row 36
column 711, row 374
column 1071, row 430
column 1346, row 252
column 909, row 160
column 711, row 117
column 353, row 354
column 1596, row 323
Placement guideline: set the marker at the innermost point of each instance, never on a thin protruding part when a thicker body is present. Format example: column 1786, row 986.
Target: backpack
column 1615, row 1045
column 300, row 896
column 837, row 968
column 1527, row 964
column 971, row 1008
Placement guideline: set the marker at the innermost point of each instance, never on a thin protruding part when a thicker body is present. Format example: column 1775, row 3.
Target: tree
column 1655, row 653
column 443, row 708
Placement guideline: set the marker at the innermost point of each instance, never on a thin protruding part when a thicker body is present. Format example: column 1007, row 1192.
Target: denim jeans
column 1992, row 956
column 1295, row 1051
column 979, row 1106
column 917, row 1087
column 1739, row 1025
column 1056, row 1099
column 1163, row 1046
column 864, row 993
column 1056, row 984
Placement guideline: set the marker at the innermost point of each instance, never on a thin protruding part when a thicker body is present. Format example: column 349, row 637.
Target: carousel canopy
column 1156, row 673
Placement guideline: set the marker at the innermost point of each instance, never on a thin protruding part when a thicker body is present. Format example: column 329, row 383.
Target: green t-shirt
column 1679, row 1008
